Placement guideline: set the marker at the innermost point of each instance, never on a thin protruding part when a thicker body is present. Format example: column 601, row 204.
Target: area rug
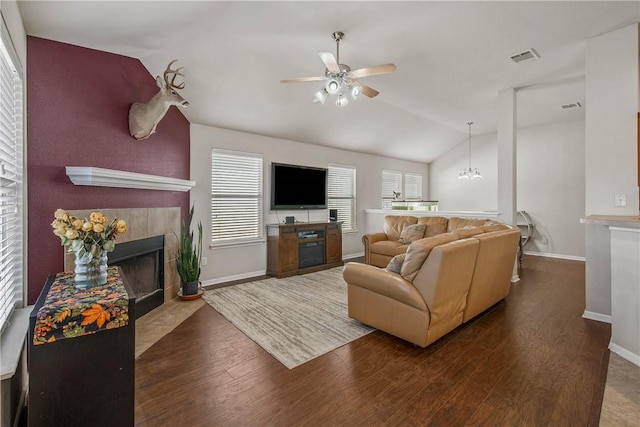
column 294, row 319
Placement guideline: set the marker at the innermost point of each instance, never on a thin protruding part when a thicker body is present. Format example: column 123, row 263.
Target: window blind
column 391, row 181
column 11, row 181
column 412, row 186
column 342, row 194
column 236, row 197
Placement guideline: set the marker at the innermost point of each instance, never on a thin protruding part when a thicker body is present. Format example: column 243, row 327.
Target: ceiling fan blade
column 329, row 62
column 303, row 79
column 366, row 90
column 372, row 71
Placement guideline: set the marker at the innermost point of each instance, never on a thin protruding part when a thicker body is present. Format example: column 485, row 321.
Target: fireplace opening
column 142, row 262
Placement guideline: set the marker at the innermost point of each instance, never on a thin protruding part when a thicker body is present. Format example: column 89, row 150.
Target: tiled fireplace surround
column 143, row 223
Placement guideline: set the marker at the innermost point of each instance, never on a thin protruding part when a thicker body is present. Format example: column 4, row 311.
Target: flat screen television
column 298, row 187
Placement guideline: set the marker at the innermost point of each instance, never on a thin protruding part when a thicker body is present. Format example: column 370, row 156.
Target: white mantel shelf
column 100, row 177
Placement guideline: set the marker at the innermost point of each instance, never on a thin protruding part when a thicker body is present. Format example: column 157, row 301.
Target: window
column 11, row 166
column 391, row 182
column 342, row 194
column 236, row 197
column 412, row 186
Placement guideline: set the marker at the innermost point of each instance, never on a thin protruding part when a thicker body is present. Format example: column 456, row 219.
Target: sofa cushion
column 395, row 265
column 435, row 225
column 393, row 225
column 411, row 233
column 418, row 251
column 468, row 231
column 455, row 223
column 388, row 247
column 494, row 227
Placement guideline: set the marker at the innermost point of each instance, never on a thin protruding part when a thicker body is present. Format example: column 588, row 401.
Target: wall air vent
column 525, row 56
column 572, row 105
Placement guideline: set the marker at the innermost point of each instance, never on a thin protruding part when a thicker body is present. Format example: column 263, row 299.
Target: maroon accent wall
column 77, row 115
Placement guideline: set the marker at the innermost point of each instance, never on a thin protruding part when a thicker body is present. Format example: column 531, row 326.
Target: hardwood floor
column 530, row 360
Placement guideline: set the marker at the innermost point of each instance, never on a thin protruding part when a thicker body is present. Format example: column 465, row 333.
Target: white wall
column 551, row 186
column 11, row 16
column 249, row 260
column 612, row 88
column 550, row 183
column 453, row 194
column 612, row 100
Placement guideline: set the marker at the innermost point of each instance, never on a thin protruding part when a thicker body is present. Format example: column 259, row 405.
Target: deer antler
column 175, row 74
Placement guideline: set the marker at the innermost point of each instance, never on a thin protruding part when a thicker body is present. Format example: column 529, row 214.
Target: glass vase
column 90, row 273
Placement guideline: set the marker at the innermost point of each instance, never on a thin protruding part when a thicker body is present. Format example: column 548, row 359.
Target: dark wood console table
column 82, row 354
column 303, row 247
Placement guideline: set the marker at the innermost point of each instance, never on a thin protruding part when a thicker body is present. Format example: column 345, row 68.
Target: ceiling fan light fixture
column 320, row 96
column 332, row 86
column 355, row 91
column 342, row 100
column 340, row 80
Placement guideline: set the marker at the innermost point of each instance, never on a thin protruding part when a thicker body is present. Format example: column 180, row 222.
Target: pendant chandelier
column 470, row 173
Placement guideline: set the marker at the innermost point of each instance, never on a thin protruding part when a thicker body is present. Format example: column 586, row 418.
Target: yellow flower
column 61, row 214
column 88, row 233
column 71, row 234
column 121, row 227
column 98, row 218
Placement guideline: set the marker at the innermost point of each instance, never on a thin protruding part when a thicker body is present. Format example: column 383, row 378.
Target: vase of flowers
column 89, row 239
column 90, row 271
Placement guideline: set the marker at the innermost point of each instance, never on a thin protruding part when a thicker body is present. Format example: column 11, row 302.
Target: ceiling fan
column 340, row 78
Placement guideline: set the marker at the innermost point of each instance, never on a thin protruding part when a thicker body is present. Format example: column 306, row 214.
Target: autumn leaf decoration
column 62, row 314
column 95, row 314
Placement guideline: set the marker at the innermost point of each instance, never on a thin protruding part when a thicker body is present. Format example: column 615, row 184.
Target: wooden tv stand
column 303, row 247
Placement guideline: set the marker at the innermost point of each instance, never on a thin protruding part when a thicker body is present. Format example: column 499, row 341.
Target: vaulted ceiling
column 452, row 57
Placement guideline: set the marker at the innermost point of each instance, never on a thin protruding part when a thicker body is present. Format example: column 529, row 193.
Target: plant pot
column 190, row 288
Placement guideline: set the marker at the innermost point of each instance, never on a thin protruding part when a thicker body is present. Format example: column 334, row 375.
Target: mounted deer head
column 143, row 118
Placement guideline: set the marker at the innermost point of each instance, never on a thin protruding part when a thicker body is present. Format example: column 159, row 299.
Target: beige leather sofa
column 444, row 281
column 380, row 247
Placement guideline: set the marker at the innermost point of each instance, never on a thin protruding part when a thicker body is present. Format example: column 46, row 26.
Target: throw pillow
column 411, row 233
column 395, row 265
column 418, row 252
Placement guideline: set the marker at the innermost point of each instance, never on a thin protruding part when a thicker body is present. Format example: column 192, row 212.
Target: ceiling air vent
column 525, row 56
column 572, row 105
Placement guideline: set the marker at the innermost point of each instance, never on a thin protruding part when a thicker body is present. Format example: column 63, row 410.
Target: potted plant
column 189, row 256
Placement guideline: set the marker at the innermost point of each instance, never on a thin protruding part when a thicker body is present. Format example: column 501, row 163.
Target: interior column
column 507, row 171
column 507, row 177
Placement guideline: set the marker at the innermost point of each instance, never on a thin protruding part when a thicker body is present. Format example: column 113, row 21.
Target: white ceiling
column 452, row 59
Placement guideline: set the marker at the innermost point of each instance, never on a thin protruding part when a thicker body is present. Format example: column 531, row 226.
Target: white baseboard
column 625, row 354
column 233, row 278
column 351, row 256
column 605, row 318
column 560, row 256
